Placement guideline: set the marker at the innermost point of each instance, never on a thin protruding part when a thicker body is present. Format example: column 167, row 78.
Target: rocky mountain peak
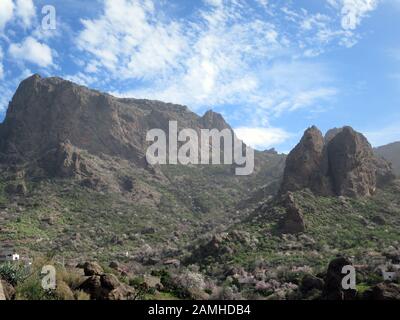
column 214, row 120
column 304, row 162
column 343, row 164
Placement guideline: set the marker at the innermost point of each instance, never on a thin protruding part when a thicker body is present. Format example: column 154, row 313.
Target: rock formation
column 342, row 164
column 333, row 289
column 304, row 162
column 293, row 222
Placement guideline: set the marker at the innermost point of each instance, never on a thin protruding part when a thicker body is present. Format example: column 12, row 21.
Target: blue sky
column 272, row 68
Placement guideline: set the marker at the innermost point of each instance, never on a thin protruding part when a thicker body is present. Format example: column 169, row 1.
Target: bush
column 31, row 289
column 81, row 295
column 12, row 273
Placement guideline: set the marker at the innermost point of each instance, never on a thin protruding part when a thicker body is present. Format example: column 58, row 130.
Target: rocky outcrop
column 102, row 286
column 65, row 161
column 293, row 222
column 383, row 291
column 311, row 283
column 333, row 289
column 7, row 291
column 351, row 164
column 214, row 120
column 92, row 269
column 342, row 164
column 304, row 162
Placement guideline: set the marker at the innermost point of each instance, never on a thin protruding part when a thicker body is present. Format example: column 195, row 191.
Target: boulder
column 92, row 269
column 92, row 286
column 310, row 282
column 107, row 287
column 109, row 282
column 172, row 262
column 333, row 289
column 383, row 291
column 152, row 282
column 8, row 290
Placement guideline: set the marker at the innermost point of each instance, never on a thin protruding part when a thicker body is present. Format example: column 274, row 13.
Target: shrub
column 12, row 273
column 81, row 295
column 31, row 289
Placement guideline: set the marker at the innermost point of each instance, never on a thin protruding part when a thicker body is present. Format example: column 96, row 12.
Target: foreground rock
column 383, row 291
column 333, row 289
column 92, row 269
column 311, row 283
column 102, row 286
column 7, row 291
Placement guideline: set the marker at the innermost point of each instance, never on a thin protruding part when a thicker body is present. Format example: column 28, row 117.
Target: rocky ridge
column 341, row 164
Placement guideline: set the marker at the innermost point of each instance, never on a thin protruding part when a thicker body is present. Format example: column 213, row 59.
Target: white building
column 8, row 254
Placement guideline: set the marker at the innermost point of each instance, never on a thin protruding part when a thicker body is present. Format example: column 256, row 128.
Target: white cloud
column 32, row 51
column 26, row 11
column 225, row 54
column 353, row 11
column 207, row 61
column 141, row 47
column 6, row 12
column 262, row 138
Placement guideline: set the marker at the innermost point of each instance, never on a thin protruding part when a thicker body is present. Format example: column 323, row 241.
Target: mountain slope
column 391, row 152
column 74, row 179
column 294, row 235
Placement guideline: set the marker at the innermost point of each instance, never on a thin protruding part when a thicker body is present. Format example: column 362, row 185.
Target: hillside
column 282, row 249
column 76, row 191
column 391, row 152
column 74, row 179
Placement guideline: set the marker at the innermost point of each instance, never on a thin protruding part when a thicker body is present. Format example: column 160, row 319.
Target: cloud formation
column 25, row 10
column 6, row 12
column 261, row 138
column 32, row 51
column 251, row 60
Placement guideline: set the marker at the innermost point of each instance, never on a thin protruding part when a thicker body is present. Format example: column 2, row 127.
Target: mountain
column 75, row 186
column 342, row 163
column 391, row 153
column 74, row 177
column 338, row 205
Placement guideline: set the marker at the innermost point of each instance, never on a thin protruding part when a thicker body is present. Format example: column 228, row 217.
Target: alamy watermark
column 49, row 20
column 349, row 280
column 189, row 146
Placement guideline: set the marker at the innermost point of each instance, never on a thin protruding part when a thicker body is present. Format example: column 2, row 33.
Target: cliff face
column 304, row 162
column 55, row 128
column 343, row 164
column 48, row 113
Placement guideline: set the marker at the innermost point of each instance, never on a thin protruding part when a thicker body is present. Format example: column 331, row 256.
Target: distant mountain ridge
column 391, row 152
